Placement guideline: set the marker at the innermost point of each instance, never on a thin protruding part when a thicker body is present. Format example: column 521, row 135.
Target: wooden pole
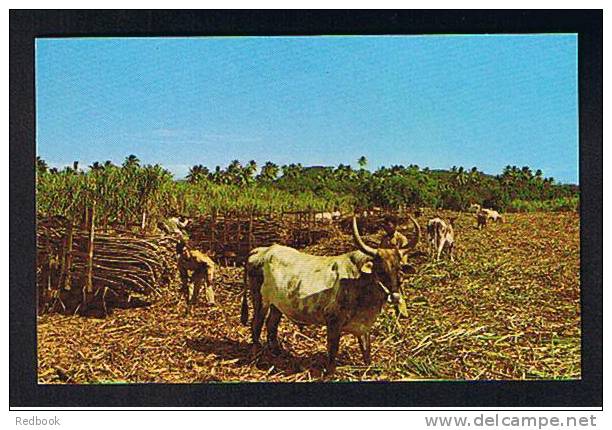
column 60, row 279
column 310, row 226
column 144, row 219
column 67, row 276
column 239, row 232
column 213, row 231
column 90, row 249
column 250, row 239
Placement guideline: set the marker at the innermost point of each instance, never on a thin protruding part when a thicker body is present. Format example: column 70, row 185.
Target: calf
column 441, row 237
column 481, row 219
column 195, row 268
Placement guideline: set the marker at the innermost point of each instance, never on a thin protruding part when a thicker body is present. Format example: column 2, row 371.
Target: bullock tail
column 253, row 277
column 244, row 310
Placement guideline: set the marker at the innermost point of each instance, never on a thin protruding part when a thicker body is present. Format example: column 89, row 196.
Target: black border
column 26, row 25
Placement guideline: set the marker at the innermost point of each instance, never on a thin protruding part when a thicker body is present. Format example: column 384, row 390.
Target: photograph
column 307, row 208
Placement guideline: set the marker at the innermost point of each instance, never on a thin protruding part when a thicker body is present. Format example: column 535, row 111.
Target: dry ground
column 508, row 308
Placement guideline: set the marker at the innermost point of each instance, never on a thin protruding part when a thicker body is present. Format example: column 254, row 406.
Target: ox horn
column 365, row 248
column 417, row 233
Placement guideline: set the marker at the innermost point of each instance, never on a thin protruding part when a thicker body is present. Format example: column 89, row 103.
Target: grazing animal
column 328, row 217
column 441, row 237
column 195, row 268
column 345, row 293
column 175, row 226
column 393, row 238
column 481, row 219
column 491, row 214
column 495, row 216
column 474, row 207
column 323, row 216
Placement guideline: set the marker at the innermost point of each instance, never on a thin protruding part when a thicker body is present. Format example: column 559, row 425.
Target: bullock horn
column 365, row 248
column 417, row 233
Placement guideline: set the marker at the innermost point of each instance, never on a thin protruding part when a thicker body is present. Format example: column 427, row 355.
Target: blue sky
column 435, row 101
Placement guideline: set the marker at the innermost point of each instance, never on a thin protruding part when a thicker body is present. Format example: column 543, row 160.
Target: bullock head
column 387, row 264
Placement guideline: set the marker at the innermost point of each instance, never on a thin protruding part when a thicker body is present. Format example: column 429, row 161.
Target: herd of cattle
column 345, row 293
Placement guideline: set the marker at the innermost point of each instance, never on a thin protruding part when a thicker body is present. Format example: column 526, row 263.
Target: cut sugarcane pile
column 126, row 267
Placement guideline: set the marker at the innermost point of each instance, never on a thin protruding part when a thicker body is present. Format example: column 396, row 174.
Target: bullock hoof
column 274, row 348
column 330, row 369
column 255, row 348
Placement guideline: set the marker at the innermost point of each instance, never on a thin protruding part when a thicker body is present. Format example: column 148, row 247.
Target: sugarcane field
column 113, row 306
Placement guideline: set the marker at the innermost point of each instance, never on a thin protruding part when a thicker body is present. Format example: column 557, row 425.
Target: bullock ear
column 367, row 267
column 403, row 257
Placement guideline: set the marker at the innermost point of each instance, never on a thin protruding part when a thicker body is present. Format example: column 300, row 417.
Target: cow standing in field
column 195, row 268
column 481, row 219
column 491, row 214
column 345, row 293
column 441, row 237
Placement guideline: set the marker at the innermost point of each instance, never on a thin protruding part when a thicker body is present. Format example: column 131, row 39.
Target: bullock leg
column 365, row 347
column 274, row 317
column 197, row 279
column 451, row 251
column 258, row 317
column 185, row 286
column 333, row 343
column 210, row 295
column 440, row 248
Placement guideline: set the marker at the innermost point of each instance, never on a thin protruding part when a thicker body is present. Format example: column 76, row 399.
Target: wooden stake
column 250, row 239
column 67, row 276
column 90, row 249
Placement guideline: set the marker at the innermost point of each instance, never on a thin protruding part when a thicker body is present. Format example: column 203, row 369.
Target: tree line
column 124, row 190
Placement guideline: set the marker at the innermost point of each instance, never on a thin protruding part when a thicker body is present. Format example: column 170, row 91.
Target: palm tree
column 474, row 175
column 197, row 173
column 248, row 172
column 217, row 175
column 251, row 167
column 234, row 172
column 41, row 165
column 292, row 170
column 526, row 172
column 96, row 166
column 344, row 171
column 363, row 161
column 269, row 172
column 131, row 161
column 460, row 176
